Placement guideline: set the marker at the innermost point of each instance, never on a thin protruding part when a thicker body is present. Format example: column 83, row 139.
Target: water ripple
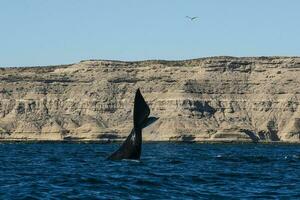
column 166, row 171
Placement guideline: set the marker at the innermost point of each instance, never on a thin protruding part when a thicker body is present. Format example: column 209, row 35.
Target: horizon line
column 148, row 60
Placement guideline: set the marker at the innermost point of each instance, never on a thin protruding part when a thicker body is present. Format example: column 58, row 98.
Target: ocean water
column 166, row 171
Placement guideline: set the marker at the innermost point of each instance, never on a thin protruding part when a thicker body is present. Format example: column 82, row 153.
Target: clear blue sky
column 44, row 32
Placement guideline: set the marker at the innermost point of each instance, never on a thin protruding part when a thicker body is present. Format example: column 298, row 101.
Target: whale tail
column 131, row 147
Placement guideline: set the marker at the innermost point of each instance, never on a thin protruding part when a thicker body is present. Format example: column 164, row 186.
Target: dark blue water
column 166, row 171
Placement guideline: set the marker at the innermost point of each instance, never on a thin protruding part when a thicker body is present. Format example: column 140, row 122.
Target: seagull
column 191, row 18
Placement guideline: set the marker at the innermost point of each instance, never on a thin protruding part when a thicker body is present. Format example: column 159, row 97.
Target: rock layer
column 207, row 99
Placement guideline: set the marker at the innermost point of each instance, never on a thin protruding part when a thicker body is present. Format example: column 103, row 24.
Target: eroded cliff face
column 208, row 99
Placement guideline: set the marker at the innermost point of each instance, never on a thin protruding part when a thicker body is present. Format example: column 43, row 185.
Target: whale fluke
column 132, row 146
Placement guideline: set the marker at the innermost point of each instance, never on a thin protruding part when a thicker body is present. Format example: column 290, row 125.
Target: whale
column 131, row 148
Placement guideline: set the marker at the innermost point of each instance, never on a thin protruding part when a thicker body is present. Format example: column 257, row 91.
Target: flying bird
column 191, row 18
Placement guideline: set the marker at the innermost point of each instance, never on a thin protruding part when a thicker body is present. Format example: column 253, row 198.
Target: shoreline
column 148, row 141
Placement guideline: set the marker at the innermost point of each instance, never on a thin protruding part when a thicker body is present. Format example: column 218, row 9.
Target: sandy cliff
column 208, row 99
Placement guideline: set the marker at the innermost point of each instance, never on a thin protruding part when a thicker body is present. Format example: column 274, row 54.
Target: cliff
column 207, row 99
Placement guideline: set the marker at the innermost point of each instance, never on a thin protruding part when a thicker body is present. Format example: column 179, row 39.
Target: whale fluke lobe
column 141, row 110
column 132, row 146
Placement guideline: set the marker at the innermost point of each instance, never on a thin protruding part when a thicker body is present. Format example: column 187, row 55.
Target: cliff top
column 162, row 61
